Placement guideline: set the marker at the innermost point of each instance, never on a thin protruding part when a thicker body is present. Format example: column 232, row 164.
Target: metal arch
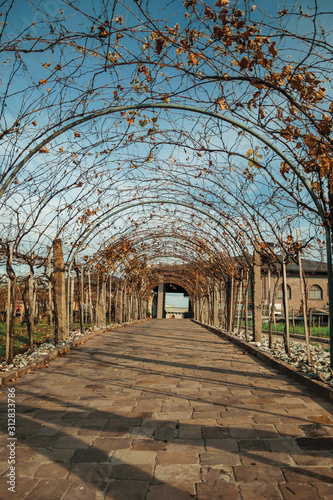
column 161, row 202
column 219, row 116
column 176, row 236
column 181, row 237
column 194, row 109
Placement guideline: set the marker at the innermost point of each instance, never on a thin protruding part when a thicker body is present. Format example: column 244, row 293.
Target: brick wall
column 294, row 283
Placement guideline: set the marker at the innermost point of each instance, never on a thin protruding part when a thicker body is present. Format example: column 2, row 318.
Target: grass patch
column 42, row 334
column 317, row 331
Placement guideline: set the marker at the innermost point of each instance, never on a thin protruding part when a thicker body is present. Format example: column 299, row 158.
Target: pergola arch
column 219, row 116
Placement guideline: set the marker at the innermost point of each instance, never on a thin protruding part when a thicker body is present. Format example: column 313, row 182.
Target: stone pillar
column 216, row 320
column 257, row 328
column 160, row 301
column 119, row 306
column 59, row 290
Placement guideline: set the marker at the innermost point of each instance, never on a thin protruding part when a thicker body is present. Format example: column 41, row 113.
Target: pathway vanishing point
column 166, row 410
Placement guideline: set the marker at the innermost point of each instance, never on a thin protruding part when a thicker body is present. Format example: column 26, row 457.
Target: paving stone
column 190, row 432
column 282, row 445
column 325, row 491
column 222, row 444
column 313, row 458
column 22, row 488
column 52, row 470
column 50, row 489
column 80, row 490
column 74, row 441
column 253, row 444
column 28, row 469
column 242, row 433
column 129, row 472
column 263, row 491
column 217, row 491
column 54, row 455
column 40, row 441
column 220, row 458
column 134, row 457
column 213, row 474
column 308, row 474
column 129, row 490
column 108, row 445
column 147, row 445
column 186, row 445
column 298, row 491
column 183, row 491
column 215, row 432
column 89, row 455
column 321, row 419
column 309, row 443
column 177, row 473
column 267, row 458
column 201, row 415
column 177, row 458
column 166, row 433
column 95, row 473
column 260, row 473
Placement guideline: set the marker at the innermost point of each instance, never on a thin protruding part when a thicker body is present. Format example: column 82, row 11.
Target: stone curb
column 44, row 360
column 317, row 386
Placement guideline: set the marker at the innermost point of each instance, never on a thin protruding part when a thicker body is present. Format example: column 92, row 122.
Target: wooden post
column 50, row 299
column 59, row 291
column 110, row 298
column 81, row 300
column 293, row 315
column 72, row 298
column 269, row 292
column 119, row 305
column 303, row 301
column 215, row 307
column 90, row 301
column 272, row 316
column 257, row 327
column 230, row 305
column 31, row 306
column 97, row 301
column 8, row 356
column 86, row 309
column 240, row 292
column 246, row 306
column 285, row 305
column 310, row 321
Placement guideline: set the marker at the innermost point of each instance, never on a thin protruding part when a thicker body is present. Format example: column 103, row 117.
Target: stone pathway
column 165, row 410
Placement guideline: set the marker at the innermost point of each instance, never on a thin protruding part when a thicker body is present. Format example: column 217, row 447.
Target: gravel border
column 319, row 387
